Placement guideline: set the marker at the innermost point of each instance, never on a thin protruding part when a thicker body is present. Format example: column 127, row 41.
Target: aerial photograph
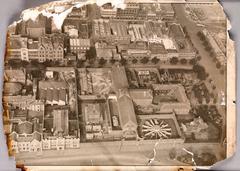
column 143, row 85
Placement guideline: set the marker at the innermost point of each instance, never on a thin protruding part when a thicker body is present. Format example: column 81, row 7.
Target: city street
column 206, row 60
column 113, row 154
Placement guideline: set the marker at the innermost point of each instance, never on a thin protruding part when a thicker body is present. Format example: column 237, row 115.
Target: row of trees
column 209, row 49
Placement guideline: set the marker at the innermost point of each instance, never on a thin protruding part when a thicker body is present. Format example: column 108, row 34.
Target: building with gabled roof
column 127, row 116
column 26, row 136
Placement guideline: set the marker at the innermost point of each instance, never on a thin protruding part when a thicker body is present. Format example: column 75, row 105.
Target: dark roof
column 19, row 114
column 52, row 85
column 176, row 31
column 62, row 95
column 24, row 127
column 40, row 22
column 49, row 95
column 157, row 48
column 55, row 94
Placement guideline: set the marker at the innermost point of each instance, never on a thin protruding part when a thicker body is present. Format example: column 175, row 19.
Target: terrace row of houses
column 34, row 143
column 31, row 132
column 138, row 11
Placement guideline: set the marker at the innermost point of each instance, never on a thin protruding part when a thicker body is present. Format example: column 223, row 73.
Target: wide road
column 206, row 61
column 114, row 154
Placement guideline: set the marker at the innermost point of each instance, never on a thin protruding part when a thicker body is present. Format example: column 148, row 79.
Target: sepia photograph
column 109, row 83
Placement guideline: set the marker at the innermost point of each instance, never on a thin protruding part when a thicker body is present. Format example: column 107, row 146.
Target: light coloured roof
column 141, row 94
column 126, row 111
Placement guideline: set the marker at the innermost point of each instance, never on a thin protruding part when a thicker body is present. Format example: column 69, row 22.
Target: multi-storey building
column 36, row 28
column 26, row 136
column 48, row 47
column 17, row 47
column 130, row 12
column 15, row 75
column 170, row 98
column 79, row 47
column 106, row 51
column 167, row 11
column 108, row 11
column 51, row 47
column 78, row 13
column 60, row 143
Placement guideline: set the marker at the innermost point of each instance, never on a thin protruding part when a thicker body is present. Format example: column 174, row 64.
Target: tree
column 208, row 99
column 205, row 43
column 200, row 71
column 192, row 61
column 80, row 63
column 172, row 153
column 199, row 58
column 91, row 53
column 144, row 60
column 174, row 60
column 218, row 65
column 91, row 61
column 24, row 63
column 183, row 61
column 123, row 61
column 200, row 34
column 155, row 60
column 208, row 48
column 102, row 61
column 112, row 61
column 203, row 38
column 207, row 75
column 212, row 54
column 134, row 61
column 222, row 71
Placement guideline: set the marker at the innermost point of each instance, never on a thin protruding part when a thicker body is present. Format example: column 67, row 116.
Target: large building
column 48, row 47
column 127, row 116
column 168, row 98
column 119, row 32
column 79, row 47
column 60, row 122
column 51, row 47
column 107, row 52
column 36, row 28
column 17, row 47
column 108, row 11
column 160, row 126
column 130, row 12
column 167, row 11
column 26, row 133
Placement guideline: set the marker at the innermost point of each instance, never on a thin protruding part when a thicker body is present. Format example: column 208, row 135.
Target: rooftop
column 11, row 88
column 52, row 85
column 172, row 93
column 126, row 111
